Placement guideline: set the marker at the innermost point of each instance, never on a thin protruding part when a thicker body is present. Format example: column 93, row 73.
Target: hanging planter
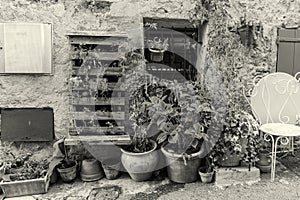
column 156, row 55
column 157, row 48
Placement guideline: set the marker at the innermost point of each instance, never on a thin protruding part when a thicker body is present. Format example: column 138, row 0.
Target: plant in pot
column 182, row 144
column 67, row 168
column 207, row 171
column 140, row 158
column 157, row 47
column 148, row 108
column 239, row 139
column 264, row 157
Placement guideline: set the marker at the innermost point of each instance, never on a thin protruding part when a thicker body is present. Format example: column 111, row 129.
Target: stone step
column 227, row 176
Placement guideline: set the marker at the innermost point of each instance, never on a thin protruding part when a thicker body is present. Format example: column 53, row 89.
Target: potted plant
column 140, row 158
column 67, row 168
column 170, row 112
column 207, row 171
column 157, row 47
column 239, row 139
column 264, row 157
column 22, row 175
column 182, row 143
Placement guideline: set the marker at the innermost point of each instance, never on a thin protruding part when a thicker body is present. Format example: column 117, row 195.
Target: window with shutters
column 288, row 58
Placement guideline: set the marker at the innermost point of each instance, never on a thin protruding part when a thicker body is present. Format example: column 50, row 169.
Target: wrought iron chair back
column 275, row 98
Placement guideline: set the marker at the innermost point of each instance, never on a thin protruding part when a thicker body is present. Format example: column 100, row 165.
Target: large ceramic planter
column 140, row 165
column 182, row 170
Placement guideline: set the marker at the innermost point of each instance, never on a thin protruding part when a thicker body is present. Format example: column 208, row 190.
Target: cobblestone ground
column 286, row 186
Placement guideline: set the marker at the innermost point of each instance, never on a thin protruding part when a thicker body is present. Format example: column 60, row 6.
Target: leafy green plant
column 158, row 44
column 208, row 166
column 240, row 136
column 167, row 109
column 22, row 167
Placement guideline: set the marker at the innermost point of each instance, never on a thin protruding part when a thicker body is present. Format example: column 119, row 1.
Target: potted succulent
column 157, row 47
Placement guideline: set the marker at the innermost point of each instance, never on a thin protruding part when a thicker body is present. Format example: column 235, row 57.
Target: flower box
column 25, row 187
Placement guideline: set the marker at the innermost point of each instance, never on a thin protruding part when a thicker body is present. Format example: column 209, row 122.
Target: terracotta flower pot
column 140, row 165
column 91, row 170
column 111, row 169
column 206, row 177
column 181, row 171
column 230, row 160
column 68, row 174
column 264, row 158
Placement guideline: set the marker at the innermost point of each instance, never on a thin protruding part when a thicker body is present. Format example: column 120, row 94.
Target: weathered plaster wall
column 66, row 16
column 224, row 47
column 238, row 64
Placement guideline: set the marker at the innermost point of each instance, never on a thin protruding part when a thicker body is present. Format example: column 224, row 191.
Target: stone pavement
column 286, row 186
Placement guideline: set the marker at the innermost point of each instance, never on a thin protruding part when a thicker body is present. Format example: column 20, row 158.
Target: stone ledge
column 236, row 175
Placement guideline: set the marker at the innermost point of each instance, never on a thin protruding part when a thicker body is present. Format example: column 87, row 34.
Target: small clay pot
column 91, row 170
column 206, row 177
column 264, row 158
column 111, row 169
column 68, row 174
column 264, row 168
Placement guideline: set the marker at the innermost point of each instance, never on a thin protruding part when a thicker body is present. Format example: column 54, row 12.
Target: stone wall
column 224, row 47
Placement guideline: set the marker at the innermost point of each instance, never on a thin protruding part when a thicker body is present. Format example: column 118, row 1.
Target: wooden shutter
column 108, row 48
column 288, row 58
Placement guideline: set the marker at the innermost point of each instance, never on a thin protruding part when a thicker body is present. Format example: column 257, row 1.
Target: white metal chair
column 274, row 100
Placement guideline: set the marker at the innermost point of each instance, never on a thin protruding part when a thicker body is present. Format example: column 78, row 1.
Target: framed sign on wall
column 25, row 48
